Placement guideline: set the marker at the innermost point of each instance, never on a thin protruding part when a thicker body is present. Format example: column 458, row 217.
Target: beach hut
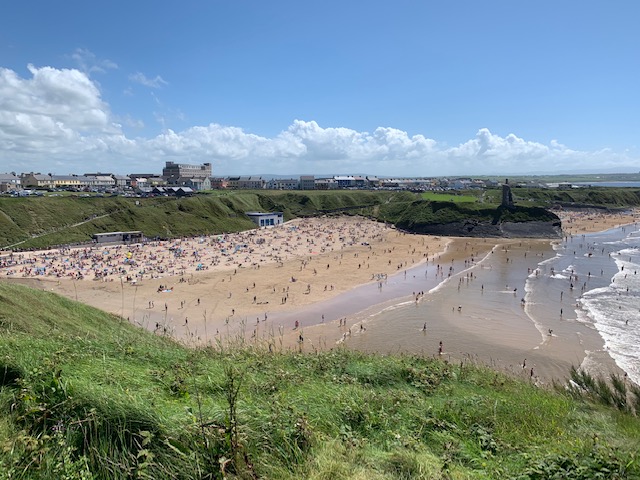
column 266, row 219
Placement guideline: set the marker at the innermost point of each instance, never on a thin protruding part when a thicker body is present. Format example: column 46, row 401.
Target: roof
column 117, row 233
column 8, row 177
column 262, row 214
column 68, row 178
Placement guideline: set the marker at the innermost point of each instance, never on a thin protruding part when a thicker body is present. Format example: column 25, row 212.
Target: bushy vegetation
column 84, row 395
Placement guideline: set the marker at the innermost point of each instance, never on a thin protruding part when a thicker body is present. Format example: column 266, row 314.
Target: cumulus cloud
column 57, row 119
column 51, row 111
column 512, row 153
column 142, row 79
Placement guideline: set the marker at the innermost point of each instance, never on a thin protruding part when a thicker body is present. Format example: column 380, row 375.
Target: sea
column 609, row 184
column 524, row 303
column 612, row 301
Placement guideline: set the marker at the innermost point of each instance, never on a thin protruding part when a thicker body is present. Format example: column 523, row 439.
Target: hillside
column 84, row 395
column 592, row 197
column 48, row 221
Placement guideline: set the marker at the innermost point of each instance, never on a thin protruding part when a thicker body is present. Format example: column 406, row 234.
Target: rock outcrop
column 475, row 228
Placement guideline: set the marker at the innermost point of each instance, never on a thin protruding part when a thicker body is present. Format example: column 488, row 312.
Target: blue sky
column 404, row 88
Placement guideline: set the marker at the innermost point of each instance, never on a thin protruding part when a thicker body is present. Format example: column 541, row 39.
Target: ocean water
column 592, row 280
column 609, row 184
column 612, row 304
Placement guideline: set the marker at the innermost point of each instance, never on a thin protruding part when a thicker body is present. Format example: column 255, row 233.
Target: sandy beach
column 589, row 221
column 193, row 288
column 296, row 286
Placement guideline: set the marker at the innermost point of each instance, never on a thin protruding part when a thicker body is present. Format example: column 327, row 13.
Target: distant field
column 448, row 197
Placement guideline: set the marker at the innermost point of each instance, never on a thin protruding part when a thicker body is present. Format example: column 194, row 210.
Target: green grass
column 43, row 222
column 47, row 221
column 86, row 395
column 448, row 197
column 600, row 197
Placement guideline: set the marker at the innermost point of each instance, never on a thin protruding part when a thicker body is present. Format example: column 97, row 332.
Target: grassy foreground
column 84, row 395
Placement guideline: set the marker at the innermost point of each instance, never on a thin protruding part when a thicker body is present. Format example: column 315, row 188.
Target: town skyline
column 417, row 90
column 187, row 179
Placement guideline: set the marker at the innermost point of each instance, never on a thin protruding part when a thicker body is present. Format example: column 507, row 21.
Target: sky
column 402, row 88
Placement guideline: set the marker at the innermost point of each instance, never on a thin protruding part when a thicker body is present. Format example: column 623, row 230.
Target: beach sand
column 256, row 285
column 576, row 222
column 230, row 279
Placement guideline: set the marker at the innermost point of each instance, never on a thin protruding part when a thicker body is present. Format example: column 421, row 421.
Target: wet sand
column 483, row 314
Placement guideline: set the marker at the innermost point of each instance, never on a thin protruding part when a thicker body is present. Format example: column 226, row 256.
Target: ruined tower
column 507, row 197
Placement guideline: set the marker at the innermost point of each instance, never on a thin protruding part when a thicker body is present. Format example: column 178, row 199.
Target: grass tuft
column 87, row 396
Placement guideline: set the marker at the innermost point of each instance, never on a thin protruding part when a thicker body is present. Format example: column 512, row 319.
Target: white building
column 266, row 219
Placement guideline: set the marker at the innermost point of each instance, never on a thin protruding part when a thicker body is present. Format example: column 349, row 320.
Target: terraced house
column 9, row 182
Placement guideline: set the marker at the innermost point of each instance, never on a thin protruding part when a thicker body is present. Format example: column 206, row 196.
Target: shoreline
column 231, row 299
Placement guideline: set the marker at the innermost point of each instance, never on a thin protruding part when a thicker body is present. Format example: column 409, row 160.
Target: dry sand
column 587, row 221
column 192, row 288
column 202, row 289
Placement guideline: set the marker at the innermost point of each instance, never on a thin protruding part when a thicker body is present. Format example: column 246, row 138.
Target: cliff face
column 475, row 228
column 449, row 219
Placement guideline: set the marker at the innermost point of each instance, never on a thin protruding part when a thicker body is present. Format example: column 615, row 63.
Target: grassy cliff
column 599, row 197
column 45, row 221
column 84, row 395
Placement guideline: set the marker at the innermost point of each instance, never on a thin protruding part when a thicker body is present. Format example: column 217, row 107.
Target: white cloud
column 51, row 107
column 89, row 63
column 142, row 79
column 57, row 119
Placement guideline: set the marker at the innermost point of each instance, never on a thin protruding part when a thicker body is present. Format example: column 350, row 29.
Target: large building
column 307, row 182
column 178, row 173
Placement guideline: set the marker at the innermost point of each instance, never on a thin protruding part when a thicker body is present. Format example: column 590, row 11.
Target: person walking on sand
column 440, row 348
